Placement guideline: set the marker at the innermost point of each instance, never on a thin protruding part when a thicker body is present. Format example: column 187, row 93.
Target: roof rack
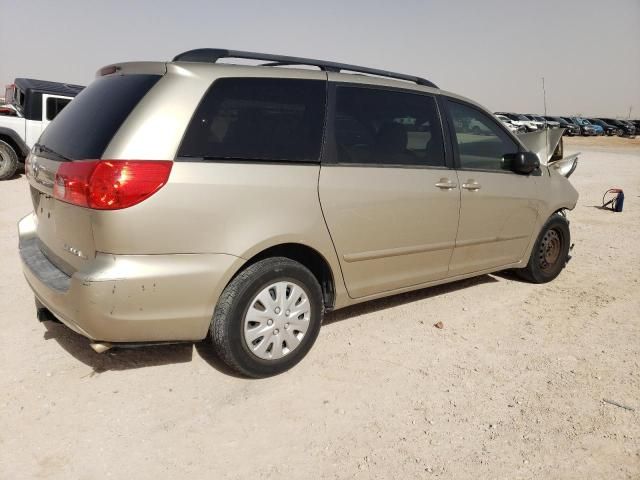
column 212, row 55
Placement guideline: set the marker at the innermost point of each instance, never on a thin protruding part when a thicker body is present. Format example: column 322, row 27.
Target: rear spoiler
column 125, row 68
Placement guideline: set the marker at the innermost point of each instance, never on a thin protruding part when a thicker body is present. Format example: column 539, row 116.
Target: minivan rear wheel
column 550, row 252
column 268, row 317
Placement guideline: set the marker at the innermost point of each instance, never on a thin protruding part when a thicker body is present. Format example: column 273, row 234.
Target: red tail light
column 109, row 184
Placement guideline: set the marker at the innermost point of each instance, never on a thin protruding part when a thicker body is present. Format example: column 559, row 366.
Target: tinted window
column 55, row 106
column 481, row 141
column 84, row 129
column 384, row 127
column 20, row 97
column 258, row 119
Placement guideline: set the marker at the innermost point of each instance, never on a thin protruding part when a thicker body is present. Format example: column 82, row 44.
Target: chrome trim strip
column 395, row 252
column 469, row 243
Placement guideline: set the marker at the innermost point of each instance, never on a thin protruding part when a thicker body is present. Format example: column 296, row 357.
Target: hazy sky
column 494, row 51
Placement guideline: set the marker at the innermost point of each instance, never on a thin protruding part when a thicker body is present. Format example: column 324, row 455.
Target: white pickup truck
column 29, row 107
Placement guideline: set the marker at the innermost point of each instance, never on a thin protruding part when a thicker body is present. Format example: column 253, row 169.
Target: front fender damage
column 547, row 144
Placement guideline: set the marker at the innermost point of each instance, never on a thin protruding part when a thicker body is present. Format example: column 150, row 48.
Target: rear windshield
column 258, row 119
column 86, row 126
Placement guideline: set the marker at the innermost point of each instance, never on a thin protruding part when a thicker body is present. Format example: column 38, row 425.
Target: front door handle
column 446, row 184
column 471, row 185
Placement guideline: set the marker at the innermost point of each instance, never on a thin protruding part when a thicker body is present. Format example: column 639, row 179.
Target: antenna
column 544, row 97
column 546, row 129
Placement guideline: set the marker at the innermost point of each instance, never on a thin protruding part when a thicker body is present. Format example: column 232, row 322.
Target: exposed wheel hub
column 550, row 249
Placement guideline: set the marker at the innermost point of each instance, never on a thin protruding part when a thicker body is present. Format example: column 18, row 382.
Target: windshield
column 522, row 117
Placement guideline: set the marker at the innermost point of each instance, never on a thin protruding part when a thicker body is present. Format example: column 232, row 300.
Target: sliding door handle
column 446, row 184
column 471, row 185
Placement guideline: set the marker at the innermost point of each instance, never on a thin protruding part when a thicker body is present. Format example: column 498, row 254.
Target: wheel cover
column 277, row 320
column 550, row 249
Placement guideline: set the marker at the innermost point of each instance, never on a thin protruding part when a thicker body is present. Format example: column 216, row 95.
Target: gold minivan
column 194, row 199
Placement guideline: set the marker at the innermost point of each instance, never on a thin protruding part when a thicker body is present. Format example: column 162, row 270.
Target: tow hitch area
column 101, row 347
column 44, row 315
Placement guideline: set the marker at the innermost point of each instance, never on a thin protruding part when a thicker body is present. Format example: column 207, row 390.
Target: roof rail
column 212, row 55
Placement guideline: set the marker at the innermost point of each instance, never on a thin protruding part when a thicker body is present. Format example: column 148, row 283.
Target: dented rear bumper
column 128, row 298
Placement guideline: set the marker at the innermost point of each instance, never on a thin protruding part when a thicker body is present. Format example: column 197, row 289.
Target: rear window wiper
column 44, row 149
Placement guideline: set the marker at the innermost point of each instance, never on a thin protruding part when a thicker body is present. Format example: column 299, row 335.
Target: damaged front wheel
column 550, row 253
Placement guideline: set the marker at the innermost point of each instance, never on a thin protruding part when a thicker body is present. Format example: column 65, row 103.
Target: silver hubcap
column 277, row 320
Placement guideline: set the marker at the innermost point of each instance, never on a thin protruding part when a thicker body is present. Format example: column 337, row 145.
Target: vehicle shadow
column 404, row 298
column 118, row 359
column 510, row 275
column 19, row 174
column 131, row 358
column 207, row 353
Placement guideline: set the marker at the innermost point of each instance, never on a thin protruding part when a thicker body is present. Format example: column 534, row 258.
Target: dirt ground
column 512, row 387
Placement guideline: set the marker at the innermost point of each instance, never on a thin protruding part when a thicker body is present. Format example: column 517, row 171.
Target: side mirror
column 521, row 162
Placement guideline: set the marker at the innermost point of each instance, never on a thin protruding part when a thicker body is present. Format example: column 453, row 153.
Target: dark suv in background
column 628, row 129
column 586, row 129
column 571, row 129
column 609, row 129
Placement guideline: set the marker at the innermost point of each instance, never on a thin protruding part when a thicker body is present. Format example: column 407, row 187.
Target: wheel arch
column 13, row 139
column 307, row 256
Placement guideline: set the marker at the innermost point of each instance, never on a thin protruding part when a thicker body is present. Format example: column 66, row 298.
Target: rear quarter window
column 85, row 127
column 258, row 119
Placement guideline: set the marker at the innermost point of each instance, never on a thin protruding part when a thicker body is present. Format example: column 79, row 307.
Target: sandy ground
column 511, row 387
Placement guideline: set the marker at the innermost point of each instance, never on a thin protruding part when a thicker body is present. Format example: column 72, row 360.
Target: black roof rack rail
column 212, row 55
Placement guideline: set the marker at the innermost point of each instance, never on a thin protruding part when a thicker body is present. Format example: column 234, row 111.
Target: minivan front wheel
column 550, row 252
column 268, row 317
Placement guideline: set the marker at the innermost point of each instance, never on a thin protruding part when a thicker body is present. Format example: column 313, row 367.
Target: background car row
column 586, row 127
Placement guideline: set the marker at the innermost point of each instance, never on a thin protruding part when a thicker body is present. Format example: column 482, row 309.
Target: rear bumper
column 129, row 298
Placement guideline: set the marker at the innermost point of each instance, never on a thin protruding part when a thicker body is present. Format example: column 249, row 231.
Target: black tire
column 227, row 326
column 8, row 161
column 550, row 252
